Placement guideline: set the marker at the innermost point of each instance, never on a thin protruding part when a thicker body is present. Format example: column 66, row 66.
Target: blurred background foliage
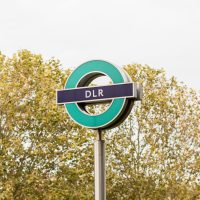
column 154, row 154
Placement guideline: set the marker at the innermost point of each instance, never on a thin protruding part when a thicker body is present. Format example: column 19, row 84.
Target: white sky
column 160, row 33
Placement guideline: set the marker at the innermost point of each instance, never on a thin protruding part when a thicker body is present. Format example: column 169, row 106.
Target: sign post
column 99, row 167
column 77, row 94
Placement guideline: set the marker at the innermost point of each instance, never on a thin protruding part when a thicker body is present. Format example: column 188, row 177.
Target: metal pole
column 99, row 156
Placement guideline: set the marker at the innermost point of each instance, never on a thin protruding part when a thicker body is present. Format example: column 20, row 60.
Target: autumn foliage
column 154, row 154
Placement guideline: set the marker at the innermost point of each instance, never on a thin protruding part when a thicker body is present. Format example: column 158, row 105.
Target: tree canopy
column 154, row 154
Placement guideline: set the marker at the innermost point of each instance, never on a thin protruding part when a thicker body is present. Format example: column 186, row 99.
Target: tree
column 39, row 144
column 154, row 154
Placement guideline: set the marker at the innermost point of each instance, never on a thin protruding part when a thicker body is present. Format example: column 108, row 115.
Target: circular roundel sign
column 77, row 94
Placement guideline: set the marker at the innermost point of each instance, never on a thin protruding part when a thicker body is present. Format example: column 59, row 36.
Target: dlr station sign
column 77, row 94
column 121, row 93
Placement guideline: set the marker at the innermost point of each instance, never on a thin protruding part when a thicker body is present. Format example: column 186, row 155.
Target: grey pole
column 99, row 156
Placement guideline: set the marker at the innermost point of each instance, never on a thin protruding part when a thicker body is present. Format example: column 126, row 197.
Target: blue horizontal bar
column 96, row 94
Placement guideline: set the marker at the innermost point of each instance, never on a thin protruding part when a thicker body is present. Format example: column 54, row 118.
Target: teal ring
column 108, row 117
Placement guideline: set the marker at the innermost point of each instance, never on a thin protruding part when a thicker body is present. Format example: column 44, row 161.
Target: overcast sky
column 160, row 33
